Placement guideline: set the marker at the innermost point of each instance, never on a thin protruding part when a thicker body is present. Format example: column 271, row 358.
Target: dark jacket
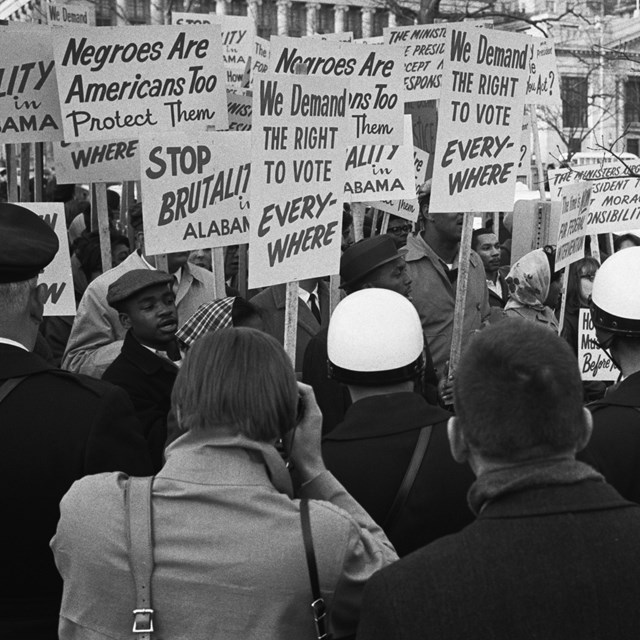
column 273, row 301
column 496, row 300
column 148, row 379
column 554, row 562
column 56, row 427
column 369, row 454
column 614, row 448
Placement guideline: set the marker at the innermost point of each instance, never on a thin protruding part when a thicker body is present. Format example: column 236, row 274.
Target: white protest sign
column 543, row 85
column 72, row 13
column 59, row 299
column 407, row 209
column 377, row 40
column 29, row 105
column 120, row 82
column 594, row 363
column 239, row 106
column 261, row 49
column 375, row 97
column 181, row 18
column 381, row 171
column 238, row 33
column 615, row 196
column 297, row 179
column 420, row 164
column 480, row 120
column 574, row 201
column 343, row 36
column 102, row 161
column 195, row 189
column 524, row 159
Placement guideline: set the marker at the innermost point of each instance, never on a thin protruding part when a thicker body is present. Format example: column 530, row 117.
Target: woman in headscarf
column 528, row 281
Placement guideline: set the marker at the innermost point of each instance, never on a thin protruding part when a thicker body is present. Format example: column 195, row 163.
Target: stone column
column 252, row 10
column 157, row 12
column 312, row 17
column 392, row 20
column 283, row 17
column 121, row 13
column 221, row 7
column 340, row 10
column 367, row 22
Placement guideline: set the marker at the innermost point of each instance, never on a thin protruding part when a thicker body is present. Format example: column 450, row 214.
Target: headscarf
column 210, row 316
column 529, row 280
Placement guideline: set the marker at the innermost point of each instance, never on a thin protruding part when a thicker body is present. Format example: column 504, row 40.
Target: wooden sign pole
column 464, row 253
column 385, row 223
column 12, row 173
column 38, row 165
column 357, row 213
column 217, row 262
column 536, row 147
column 102, row 216
column 25, row 162
column 243, row 269
column 374, row 223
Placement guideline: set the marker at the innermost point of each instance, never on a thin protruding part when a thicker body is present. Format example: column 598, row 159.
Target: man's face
column 393, row 276
column 447, row 225
column 399, row 229
column 488, row 248
column 177, row 260
column 152, row 316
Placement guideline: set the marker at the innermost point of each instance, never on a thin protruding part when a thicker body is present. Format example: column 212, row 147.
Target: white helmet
column 615, row 300
column 375, row 338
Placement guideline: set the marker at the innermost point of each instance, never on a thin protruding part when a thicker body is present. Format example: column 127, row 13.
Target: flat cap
column 133, row 282
column 27, row 243
column 363, row 257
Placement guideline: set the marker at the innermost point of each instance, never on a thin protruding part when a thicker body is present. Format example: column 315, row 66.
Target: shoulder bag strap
column 409, row 477
column 140, row 541
column 9, row 385
column 318, row 606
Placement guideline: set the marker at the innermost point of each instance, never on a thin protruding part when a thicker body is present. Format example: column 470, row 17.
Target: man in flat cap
column 97, row 334
column 56, row 427
column 147, row 366
column 373, row 262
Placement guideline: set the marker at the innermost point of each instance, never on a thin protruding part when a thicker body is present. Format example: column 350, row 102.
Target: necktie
column 314, row 307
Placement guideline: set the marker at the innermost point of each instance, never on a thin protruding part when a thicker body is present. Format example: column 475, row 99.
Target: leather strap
column 409, row 477
column 9, row 385
column 318, row 605
column 140, row 541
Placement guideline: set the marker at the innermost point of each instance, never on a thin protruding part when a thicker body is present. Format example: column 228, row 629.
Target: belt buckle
column 142, row 620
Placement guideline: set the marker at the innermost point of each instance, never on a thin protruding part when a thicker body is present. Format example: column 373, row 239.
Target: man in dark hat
column 56, row 428
column 97, row 334
column 148, row 363
column 373, row 262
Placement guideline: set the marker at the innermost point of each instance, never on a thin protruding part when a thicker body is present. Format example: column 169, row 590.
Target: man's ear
column 457, row 442
column 587, row 429
column 37, row 298
column 125, row 321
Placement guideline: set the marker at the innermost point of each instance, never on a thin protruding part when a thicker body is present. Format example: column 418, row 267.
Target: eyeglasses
column 400, row 228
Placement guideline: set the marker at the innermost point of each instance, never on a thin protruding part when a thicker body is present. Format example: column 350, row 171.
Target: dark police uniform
column 614, row 448
column 56, row 427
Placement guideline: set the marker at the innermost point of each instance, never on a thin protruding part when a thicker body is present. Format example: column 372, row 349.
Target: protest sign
column 574, row 200
column 297, row 150
column 261, row 51
column 420, row 164
column 524, row 158
column 342, row 36
column 543, row 85
column 102, row 161
column 181, row 18
column 238, row 33
column 407, row 209
column 594, row 363
column 480, row 120
column 377, row 40
column 59, row 296
column 381, row 171
column 615, row 195
column 239, row 107
column 120, row 82
column 71, row 13
column 195, row 189
column 29, row 105
column 375, row 90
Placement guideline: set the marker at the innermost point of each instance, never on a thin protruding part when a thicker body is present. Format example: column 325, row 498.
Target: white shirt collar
column 305, row 295
column 13, row 343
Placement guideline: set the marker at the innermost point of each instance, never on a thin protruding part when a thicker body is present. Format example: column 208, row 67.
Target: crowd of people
column 170, row 470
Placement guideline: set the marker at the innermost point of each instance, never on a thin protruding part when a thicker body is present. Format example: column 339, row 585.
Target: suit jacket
column 97, row 335
column 553, row 562
column 273, row 300
column 148, row 379
column 229, row 556
column 56, row 427
column 614, row 447
column 369, row 453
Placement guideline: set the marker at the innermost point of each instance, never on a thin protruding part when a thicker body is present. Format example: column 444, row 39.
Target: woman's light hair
column 240, row 379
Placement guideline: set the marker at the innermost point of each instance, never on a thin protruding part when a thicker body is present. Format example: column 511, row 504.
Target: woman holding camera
column 225, row 545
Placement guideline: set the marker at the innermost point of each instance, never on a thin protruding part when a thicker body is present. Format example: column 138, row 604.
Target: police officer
column 614, row 449
column 55, row 426
column 391, row 451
